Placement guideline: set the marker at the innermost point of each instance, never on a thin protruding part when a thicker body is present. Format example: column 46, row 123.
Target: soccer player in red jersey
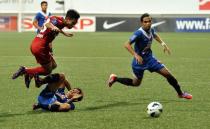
column 40, row 45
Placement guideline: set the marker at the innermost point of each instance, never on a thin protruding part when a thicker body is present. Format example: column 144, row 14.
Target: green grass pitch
column 88, row 59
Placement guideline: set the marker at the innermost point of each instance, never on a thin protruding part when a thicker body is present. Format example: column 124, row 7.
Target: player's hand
column 56, row 29
column 62, row 97
column 166, row 49
column 138, row 59
column 76, row 97
column 69, row 34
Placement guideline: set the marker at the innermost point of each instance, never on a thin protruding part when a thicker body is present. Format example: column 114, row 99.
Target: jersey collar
column 45, row 14
column 145, row 33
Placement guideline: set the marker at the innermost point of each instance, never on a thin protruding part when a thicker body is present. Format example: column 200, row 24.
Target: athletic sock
column 37, row 70
column 125, row 81
column 172, row 81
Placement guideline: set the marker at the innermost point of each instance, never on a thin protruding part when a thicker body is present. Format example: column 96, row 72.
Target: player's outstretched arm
column 66, row 34
column 52, row 27
column 164, row 45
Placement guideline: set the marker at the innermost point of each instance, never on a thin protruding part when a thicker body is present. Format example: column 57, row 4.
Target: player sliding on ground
column 144, row 59
column 40, row 45
column 53, row 97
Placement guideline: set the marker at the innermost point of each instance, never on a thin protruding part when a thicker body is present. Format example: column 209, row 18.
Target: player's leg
column 31, row 72
column 155, row 65
column 44, row 58
column 47, row 65
column 173, row 82
column 123, row 80
column 44, row 69
column 54, row 65
column 134, row 82
column 51, row 78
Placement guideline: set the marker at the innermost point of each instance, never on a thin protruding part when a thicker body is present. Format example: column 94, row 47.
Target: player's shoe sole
column 19, row 72
column 112, row 80
column 185, row 95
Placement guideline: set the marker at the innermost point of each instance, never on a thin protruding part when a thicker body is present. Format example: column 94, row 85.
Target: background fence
column 117, row 15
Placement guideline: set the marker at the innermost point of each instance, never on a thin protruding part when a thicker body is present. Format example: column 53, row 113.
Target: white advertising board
column 84, row 24
column 140, row 6
column 30, row 6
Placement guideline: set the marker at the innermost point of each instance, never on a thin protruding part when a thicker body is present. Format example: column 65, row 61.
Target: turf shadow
column 10, row 114
column 110, row 105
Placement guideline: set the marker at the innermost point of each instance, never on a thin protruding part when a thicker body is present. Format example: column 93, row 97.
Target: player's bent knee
column 48, row 71
column 62, row 76
column 54, row 66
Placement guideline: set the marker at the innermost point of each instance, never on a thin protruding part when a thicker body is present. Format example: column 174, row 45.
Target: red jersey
column 47, row 34
column 40, row 45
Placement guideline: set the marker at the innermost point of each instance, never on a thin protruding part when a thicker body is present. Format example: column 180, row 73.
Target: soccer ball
column 154, row 109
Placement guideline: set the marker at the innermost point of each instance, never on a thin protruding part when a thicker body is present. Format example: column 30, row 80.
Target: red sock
column 37, row 70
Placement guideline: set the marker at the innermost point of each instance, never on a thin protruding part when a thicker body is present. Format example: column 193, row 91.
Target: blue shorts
column 149, row 63
column 46, row 101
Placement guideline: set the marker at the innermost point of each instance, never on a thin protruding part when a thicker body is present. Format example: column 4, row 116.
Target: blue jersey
column 41, row 17
column 61, row 97
column 46, row 97
column 142, row 46
column 143, row 41
column 60, row 92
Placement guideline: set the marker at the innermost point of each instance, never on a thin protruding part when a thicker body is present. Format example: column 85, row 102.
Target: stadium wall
column 186, row 16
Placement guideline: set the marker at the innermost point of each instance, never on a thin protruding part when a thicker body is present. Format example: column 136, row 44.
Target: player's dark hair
column 80, row 92
column 73, row 14
column 143, row 16
column 43, row 2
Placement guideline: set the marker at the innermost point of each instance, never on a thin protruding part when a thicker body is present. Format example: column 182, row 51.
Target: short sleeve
column 37, row 17
column 54, row 21
column 134, row 37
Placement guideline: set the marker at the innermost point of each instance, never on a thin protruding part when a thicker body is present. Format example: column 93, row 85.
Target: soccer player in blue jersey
column 41, row 18
column 53, row 97
column 144, row 59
